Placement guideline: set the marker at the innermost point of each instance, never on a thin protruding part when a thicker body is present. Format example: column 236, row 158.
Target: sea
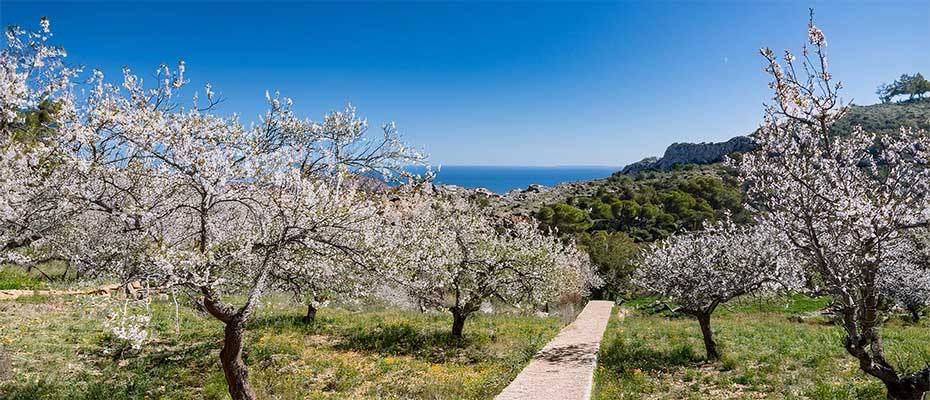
column 502, row 179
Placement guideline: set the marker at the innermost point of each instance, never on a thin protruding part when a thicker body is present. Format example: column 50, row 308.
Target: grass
column 16, row 278
column 60, row 349
column 767, row 353
column 57, row 277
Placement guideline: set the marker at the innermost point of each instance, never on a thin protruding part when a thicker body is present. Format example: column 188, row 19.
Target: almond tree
column 214, row 203
column 904, row 279
column 342, row 153
column 699, row 271
column 842, row 200
column 178, row 197
column 907, row 286
column 37, row 148
column 220, row 207
column 316, row 279
column 456, row 255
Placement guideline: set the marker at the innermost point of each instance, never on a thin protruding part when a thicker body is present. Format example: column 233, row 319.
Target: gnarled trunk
column 458, row 322
column 905, row 389
column 709, row 345
column 915, row 313
column 311, row 314
column 910, row 387
column 234, row 368
column 864, row 342
column 869, row 353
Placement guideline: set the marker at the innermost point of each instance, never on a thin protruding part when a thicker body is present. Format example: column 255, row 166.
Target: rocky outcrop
column 641, row 165
column 692, row 153
column 370, row 184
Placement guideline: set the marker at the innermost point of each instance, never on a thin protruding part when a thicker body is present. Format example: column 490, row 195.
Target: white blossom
column 451, row 253
column 701, row 270
column 842, row 200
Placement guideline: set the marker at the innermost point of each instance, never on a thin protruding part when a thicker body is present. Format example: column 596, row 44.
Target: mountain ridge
column 880, row 118
column 691, row 153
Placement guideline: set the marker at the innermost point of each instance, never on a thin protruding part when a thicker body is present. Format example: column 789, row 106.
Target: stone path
column 564, row 369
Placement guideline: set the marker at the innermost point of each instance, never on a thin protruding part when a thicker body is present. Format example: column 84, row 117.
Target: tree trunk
column 237, row 374
column 915, row 313
column 905, row 389
column 311, row 314
column 866, row 345
column 709, row 344
column 458, row 323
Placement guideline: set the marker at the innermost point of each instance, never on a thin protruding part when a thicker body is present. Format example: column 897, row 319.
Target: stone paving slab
column 564, row 369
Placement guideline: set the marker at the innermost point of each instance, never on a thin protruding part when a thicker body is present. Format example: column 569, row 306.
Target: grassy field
column 60, row 350
column 14, row 278
column 767, row 353
column 19, row 279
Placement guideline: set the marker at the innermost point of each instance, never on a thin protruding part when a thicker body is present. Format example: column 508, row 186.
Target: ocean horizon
column 502, row 179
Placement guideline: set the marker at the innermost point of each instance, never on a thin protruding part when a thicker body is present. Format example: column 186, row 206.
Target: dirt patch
column 622, row 312
column 13, row 294
column 33, row 308
column 6, row 365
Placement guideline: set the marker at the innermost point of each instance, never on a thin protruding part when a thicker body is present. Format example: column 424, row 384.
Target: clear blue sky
column 499, row 83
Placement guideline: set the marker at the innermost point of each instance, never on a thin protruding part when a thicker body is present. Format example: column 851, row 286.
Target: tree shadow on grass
column 159, row 355
column 184, row 354
column 292, row 322
column 621, row 356
column 405, row 339
column 396, row 339
column 94, row 388
column 114, row 374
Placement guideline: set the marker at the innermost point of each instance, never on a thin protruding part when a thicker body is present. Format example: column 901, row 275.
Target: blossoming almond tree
column 37, row 150
column 907, row 286
column 227, row 209
column 342, row 153
column 454, row 254
column 182, row 199
column 841, row 200
column 224, row 208
column 316, row 279
column 698, row 271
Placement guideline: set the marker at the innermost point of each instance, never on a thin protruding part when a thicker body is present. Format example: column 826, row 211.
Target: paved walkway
column 564, row 369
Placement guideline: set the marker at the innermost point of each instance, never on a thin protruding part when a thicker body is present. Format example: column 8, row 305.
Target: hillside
column 879, row 118
column 656, row 197
column 685, row 160
column 691, row 153
column 887, row 118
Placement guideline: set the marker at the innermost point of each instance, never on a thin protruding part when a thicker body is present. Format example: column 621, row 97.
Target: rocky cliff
column 692, row 153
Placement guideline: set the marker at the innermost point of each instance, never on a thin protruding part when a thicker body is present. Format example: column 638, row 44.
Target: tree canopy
column 907, row 85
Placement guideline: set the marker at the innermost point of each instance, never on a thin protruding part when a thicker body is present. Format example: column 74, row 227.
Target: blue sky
column 499, row 83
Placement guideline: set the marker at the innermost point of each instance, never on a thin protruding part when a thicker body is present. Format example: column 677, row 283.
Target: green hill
column 887, row 118
column 691, row 192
